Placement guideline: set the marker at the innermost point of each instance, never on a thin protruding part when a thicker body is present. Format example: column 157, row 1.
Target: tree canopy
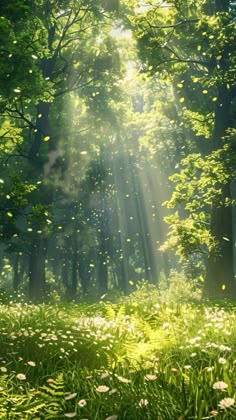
column 117, row 119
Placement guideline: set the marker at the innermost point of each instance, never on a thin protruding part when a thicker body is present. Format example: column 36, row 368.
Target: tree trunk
column 37, row 262
column 221, row 6
column 220, row 279
column 39, row 243
column 102, row 276
column 122, row 276
column 102, row 264
column 16, row 277
column 64, row 273
column 83, row 268
column 74, row 279
column 166, row 267
column 23, row 269
column 148, row 248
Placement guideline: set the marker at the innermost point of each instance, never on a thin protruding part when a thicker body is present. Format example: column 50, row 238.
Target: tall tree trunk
column 39, row 245
column 121, row 274
column 221, row 6
column 102, row 264
column 122, row 266
column 23, row 268
column 64, row 273
column 166, row 267
column 83, row 269
column 148, row 248
column 37, row 277
column 220, row 279
column 102, row 275
column 74, row 279
column 16, row 277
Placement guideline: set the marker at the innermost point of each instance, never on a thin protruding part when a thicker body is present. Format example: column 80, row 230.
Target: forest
column 117, row 209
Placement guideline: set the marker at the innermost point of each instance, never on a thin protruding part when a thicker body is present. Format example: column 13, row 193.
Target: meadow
column 146, row 356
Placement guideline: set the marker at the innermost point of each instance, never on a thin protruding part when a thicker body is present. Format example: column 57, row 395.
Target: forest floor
column 135, row 359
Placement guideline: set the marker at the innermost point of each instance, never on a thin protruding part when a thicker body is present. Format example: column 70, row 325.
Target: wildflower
column 222, row 386
column 174, row 370
column 143, row 403
column 31, row 363
column 151, row 377
column 112, row 391
column 70, row 396
column 21, row 376
column 226, row 403
column 209, row 368
column 222, row 360
column 36, row 393
column 82, row 403
column 105, row 375
column 102, row 388
column 124, row 380
column 114, row 417
column 187, row 367
column 214, row 412
column 50, row 380
column 194, row 340
column 224, row 348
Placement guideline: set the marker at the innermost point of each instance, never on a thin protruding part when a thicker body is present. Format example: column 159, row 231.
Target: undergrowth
column 144, row 357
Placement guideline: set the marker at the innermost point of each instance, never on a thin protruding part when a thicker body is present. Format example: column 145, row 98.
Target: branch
column 4, row 135
column 185, row 60
column 73, row 87
column 174, row 25
column 203, row 120
column 22, row 116
column 193, row 61
column 15, row 155
column 84, row 129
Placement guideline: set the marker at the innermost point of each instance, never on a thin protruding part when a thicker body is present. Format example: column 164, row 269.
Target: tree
column 193, row 43
column 58, row 56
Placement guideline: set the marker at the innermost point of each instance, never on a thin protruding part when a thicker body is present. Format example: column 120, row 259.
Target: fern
column 16, row 406
column 110, row 313
column 53, row 396
column 120, row 313
column 48, row 403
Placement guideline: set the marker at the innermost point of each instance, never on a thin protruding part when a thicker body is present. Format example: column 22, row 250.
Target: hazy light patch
column 130, row 71
column 99, row 40
column 118, row 32
column 144, row 6
column 119, row 178
column 152, row 194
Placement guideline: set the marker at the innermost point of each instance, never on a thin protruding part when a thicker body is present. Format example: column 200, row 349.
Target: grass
column 140, row 358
